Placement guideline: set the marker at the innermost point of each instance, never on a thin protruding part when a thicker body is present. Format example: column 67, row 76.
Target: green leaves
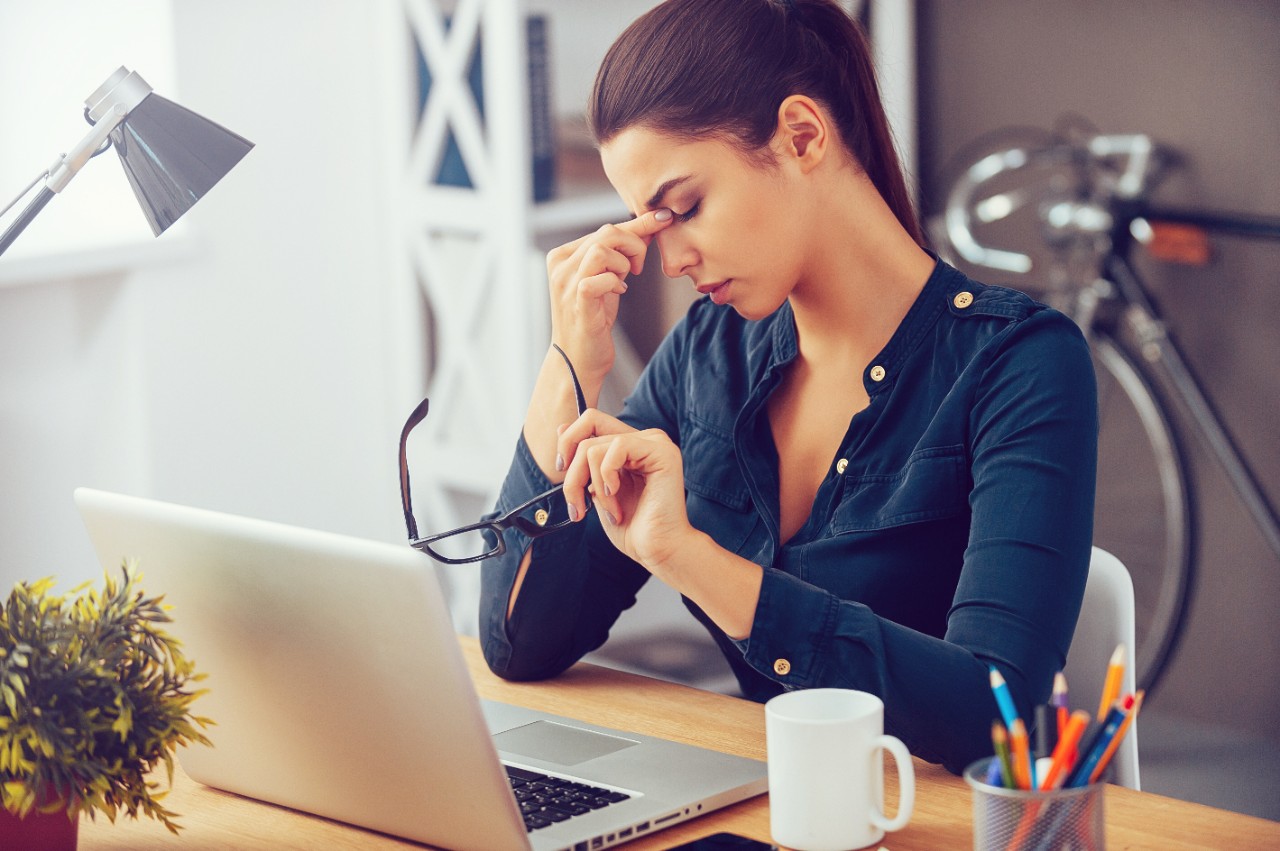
column 93, row 696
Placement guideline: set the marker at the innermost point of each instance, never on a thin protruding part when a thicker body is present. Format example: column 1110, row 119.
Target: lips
column 719, row 292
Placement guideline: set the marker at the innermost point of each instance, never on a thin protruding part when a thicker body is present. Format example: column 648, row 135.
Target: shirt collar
column 883, row 369
column 922, row 315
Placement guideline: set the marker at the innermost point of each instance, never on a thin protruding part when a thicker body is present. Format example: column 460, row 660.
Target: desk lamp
column 171, row 156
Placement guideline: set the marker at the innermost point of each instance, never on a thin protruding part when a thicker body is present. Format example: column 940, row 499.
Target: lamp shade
column 172, row 157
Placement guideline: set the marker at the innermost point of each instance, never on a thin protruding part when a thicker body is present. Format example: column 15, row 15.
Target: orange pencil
column 1119, row 736
column 1064, row 753
column 1111, row 686
column 1021, row 754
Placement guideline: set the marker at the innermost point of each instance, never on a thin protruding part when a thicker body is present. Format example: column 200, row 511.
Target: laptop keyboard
column 545, row 800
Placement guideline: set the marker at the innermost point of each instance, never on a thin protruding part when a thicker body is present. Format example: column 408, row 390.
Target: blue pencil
column 1003, row 698
column 1084, row 768
column 1005, row 701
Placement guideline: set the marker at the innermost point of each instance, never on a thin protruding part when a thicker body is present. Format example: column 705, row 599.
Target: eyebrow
column 665, row 188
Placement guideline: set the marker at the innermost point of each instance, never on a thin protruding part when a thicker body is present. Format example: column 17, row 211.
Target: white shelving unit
column 475, row 259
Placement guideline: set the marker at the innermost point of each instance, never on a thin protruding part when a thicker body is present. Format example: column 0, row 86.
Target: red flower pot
column 38, row 831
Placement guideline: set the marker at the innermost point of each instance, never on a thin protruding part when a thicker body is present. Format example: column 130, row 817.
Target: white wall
column 255, row 372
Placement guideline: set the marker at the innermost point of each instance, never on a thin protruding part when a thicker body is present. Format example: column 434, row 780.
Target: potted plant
column 94, row 695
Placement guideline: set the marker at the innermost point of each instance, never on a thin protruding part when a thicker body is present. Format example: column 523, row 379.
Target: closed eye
column 688, row 214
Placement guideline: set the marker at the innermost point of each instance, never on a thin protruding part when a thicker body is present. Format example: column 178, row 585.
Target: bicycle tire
column 1144, row 513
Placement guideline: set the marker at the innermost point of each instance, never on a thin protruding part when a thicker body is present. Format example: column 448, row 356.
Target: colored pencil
column 1062, row 754
column 1092, row 755
column 1111, row 686
column 1119, row 736
column 1059, row 700
column 1020, row 750
column 1004, row 699
column 1000, row 740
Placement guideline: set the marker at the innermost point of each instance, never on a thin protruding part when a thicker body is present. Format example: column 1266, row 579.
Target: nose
column 678, row 255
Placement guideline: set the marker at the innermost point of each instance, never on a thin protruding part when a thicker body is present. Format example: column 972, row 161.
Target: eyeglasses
column 482, row 540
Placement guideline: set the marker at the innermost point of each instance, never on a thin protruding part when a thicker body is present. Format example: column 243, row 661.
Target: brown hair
column 697, row 68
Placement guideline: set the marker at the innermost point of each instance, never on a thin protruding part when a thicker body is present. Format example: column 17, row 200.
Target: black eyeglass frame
column 534, row 528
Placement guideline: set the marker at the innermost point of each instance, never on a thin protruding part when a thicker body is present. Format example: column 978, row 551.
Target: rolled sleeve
column 792, row 631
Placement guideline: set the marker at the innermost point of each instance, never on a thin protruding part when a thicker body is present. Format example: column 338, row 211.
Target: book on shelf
column 542, row 130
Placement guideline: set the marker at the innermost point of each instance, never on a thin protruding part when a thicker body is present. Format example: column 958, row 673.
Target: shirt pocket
column 932, row 485
column 718, row 501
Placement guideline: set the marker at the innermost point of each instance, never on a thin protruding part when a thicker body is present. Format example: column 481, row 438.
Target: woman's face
column 739, row 226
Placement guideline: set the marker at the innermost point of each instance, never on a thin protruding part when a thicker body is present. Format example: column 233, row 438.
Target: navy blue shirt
column 951, row 533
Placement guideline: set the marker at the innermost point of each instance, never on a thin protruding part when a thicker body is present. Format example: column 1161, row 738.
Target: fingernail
column 559, row 463
column 613, row 521
column 607, row 492
column 662, row 215
column 573, row 512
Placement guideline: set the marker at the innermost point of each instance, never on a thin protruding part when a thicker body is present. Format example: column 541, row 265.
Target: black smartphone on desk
column 725, row 842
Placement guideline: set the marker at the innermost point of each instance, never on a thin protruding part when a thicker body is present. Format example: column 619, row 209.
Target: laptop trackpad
column 558, row 743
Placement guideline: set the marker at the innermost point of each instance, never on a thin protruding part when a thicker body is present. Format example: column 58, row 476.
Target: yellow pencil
column 1111, row 686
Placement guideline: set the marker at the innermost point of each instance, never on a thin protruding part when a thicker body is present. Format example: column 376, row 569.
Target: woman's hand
column 587, row 276
column 636, row 481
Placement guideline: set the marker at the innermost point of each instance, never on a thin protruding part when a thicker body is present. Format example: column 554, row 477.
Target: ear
column 803, row 134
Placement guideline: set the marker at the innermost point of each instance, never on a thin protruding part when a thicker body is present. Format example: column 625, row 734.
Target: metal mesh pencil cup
column 1017, row 820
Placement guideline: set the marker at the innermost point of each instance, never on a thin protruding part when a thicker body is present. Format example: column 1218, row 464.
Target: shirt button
column 877, row 373
column 540, row 517
column 782, row 667
column 842, row 465
column 963, row 300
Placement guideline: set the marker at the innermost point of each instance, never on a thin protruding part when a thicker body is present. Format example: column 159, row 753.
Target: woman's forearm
column 724, row 585
column 552, row 405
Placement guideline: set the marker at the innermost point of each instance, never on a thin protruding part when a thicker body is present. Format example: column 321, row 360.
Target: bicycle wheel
column 1143, row 511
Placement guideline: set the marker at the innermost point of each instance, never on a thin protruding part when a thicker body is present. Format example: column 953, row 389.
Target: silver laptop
column 339, row 689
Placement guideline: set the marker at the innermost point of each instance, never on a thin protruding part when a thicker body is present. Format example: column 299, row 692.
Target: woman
column 860, row 468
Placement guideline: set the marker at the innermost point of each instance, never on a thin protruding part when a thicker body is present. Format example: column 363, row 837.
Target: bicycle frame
column 1088, row 196
column 1161, row 351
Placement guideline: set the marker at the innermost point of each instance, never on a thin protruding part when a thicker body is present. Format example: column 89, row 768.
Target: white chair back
column 1106, row 620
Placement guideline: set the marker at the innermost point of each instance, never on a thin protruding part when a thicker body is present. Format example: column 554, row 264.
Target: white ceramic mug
column 826, row 770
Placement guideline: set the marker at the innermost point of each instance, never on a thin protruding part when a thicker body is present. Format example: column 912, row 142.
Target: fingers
column 604, row 463
column 618, row 248
column 593, row 422
column 586, row 278
column 619, row 462
column 643, row 228
column 592, row 425
column 647, row 224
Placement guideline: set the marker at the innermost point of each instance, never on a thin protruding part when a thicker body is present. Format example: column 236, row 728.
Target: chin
column 755, row 310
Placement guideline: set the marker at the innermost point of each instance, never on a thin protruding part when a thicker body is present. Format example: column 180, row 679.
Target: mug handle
column 906, row 785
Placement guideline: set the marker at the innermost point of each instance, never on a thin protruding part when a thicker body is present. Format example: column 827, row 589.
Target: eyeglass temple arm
column 577, row 387
column 419, row 413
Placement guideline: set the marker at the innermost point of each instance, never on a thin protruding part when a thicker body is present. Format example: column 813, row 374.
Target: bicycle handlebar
column 1066, row 216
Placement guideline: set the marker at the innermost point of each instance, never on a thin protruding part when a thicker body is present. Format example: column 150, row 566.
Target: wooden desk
column 942, row 819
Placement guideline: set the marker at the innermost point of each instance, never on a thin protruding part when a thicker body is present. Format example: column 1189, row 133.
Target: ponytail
column 697, row 68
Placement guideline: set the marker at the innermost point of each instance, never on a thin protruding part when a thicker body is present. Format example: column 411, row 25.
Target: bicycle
column 1070, row 209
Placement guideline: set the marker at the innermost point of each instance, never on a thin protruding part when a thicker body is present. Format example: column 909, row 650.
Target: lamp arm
column 106, row 108
column 63, row 169
column 25, row 217
column 67, row 165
